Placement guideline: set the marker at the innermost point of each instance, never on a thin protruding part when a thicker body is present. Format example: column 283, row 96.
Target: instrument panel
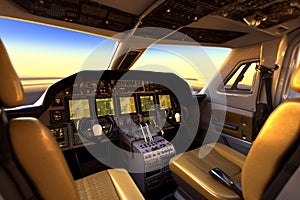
column 119, row 105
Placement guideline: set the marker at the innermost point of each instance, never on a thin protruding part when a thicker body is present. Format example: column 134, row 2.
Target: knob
column 97, row 130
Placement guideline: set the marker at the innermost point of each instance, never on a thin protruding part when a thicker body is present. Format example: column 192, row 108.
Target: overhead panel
column 206, row 35
column 135, row 7
column 261, row 13
column 84, row 12
column 173, row 14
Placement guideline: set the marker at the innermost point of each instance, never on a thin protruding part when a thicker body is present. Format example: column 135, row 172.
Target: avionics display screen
column 164, row 101
column 147, row 103
column 105, row 106
column 79, row 108
column 127, row 105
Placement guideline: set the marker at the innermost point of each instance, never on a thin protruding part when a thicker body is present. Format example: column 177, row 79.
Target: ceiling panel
column 135, row 7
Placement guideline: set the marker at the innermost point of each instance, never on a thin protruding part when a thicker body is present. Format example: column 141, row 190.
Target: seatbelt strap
column 284, row 175
column 266, row 77
column 264, row 110
column 8, row 162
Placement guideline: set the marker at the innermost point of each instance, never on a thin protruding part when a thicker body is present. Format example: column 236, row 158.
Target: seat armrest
column 219, row 175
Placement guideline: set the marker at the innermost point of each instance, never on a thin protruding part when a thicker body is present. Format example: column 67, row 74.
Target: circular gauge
column 56, row 116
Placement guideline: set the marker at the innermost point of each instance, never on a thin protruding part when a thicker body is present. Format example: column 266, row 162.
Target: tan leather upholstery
column 109, row 184
column 124, row 185
column 193, row 168
column 42, row 160
column 275, row 139
column 279, row 135
column 295, row 81
column 96, row 186
column 11, row 92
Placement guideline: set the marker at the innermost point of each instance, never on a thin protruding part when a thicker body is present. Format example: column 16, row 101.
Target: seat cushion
column 193, row 168
column 110, row 184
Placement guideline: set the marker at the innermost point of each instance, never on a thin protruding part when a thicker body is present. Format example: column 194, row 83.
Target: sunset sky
column 38, row 50
column 45, row 51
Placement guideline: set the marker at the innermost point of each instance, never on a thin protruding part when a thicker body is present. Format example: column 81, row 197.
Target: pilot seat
column 32, row 165
column 215, row 171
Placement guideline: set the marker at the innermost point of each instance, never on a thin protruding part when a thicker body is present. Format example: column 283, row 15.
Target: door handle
column 231, row 126
column 227, row 125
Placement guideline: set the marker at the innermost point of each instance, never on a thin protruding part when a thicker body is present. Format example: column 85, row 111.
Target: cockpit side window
column 242, row 79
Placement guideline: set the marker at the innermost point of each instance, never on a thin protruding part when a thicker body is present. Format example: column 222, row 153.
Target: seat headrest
column 295, row 81
column 11, row 90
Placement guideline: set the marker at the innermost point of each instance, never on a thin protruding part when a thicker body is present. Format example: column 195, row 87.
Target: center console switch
column 156, row 157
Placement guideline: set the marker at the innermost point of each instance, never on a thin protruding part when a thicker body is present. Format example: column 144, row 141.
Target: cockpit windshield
column 43, row 54
column 41, row 51
column 195, row 64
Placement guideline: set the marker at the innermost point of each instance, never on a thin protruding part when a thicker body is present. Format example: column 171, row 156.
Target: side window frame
column 234, row 87
column 295, row 60
column 288, row 65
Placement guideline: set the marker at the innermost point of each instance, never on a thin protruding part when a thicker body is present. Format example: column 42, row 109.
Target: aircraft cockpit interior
column 152, row 99
column 111, row 111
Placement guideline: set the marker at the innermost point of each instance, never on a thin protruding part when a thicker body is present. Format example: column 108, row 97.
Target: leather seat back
column 42, row 160
column 277, row 139
column 35, row 149
column 11, row 90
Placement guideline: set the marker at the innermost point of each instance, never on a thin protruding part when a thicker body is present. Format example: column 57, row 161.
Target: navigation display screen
column 105, row 106
column 164, row 101
column 79, row 108
column 147, row 103
column 127, row 105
